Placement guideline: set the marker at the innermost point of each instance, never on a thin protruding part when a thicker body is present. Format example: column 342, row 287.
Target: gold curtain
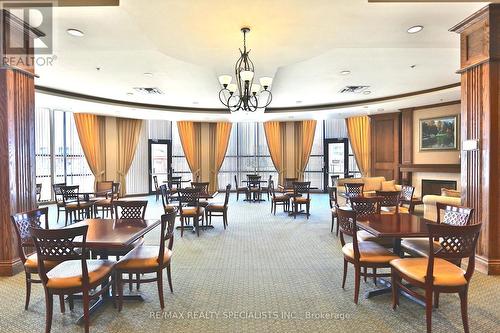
column 304, row 138
column 90, row 128
column 274, row 136
column 128, row 133
column 219, row 141
column 190, row 135
column 358, row 129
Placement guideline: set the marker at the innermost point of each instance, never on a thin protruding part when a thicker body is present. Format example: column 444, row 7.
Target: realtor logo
column 27, row 18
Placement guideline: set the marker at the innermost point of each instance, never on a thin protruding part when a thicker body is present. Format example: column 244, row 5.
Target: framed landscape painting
column 439, row 133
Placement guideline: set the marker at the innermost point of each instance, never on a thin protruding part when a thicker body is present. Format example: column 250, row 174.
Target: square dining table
column 104, row 235
column 396, row 226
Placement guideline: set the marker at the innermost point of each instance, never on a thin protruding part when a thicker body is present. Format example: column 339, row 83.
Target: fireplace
column 434, row 186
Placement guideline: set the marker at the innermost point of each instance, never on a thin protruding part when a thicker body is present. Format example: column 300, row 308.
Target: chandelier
column 244, row 95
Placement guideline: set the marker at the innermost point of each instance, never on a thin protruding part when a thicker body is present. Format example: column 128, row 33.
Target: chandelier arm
column 269, row 98
column 256, row 105
column 221, row 93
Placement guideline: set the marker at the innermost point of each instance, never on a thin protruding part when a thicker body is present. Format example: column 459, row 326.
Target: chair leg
column 357, row 280
column 365, row 273
column 169, row 276
column 182, row 226
column 337, row 230
column 345, row 274
column 436, row 300
column 159, row 281
column 333, row 220
column 49, row 302
column 61, row 303
column 463, row 308
column 428, row 309
column 395, row 288
column 86, row 310
column 119, row 284
column 58, row 211
column 130, row 277
column 138, row 283
column 307, row 210
column 374, row 276
column 28, row 291
column 71, row 303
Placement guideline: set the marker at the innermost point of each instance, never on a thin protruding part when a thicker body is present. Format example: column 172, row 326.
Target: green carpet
column 264, row 273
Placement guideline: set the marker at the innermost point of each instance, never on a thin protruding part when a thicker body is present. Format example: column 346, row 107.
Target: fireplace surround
column 434, row 186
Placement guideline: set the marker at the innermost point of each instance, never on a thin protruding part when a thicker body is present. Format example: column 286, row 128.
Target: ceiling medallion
column 244, row 95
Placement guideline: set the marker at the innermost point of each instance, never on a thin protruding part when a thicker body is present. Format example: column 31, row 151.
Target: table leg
column 396, row 247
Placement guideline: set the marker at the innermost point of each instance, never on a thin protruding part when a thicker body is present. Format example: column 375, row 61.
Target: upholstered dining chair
column 59, row 198
column 203, row 187
column 189, row 208
column 360, row 254
column 38, row 192
column 157, row 187
column 354, row 189
column 74, row 205
column 22, row 225
column 278, row 200
column 301, row 196
column 106, row 203
column 287, row 186
column 218, row 209
column 254, row 189
column 239, row 189
column 167, row 207
column 368, row 206
column 149, row 259
column 389, row 202
column 75, row 274
column 447, row 214
column 267, row 189
column 437, row 274
column 406, row 197
column 333, row 200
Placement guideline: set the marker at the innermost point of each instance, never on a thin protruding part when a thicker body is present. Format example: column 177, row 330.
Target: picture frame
column 439, row 133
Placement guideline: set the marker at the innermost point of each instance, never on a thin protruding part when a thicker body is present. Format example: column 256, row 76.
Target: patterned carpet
column 264, row 273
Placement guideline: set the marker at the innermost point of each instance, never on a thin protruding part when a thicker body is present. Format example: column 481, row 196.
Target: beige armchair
column 430, row 204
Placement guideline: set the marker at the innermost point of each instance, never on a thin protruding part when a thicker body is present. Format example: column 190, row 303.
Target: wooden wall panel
column 385, row 145
column 480, row 70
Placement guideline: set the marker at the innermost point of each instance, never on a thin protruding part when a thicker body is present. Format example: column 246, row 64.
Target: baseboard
column 10, row 267
column 488, row 266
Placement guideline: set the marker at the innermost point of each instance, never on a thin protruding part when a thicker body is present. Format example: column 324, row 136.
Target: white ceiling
column 302, row 44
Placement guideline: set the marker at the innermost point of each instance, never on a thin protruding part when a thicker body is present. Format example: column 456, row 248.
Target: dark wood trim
column 445, row 168
column 18, row 69
column 478, row 16
column 97, row 99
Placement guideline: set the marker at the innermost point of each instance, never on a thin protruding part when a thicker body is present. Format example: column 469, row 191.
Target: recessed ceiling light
column 298, row 102
column 413, row 66
column 367, row 92
column 130, row 94
column 195, row 102
column 345, row 72
column 75, row 32
column 415, row 29
column 148, row 74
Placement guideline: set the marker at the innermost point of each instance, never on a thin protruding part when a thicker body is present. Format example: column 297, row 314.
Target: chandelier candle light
column 244, row 95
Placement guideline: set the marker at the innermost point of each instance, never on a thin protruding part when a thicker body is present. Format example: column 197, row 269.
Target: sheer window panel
column 43, row 172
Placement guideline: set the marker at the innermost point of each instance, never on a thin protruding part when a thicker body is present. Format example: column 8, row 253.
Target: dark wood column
column 17, row 138
column 406, row 143
column 480, row 71
column 385, row 145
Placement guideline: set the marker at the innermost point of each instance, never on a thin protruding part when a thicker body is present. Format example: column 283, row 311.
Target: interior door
column 336, row 153
column 160, row 161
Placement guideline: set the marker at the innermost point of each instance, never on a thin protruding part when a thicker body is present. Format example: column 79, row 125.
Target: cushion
column 104, row 202
column 169, row 208
column 370, row 252
column 450, row 193
column 68, row 274
column 389, row 185
column 191, row 211
column 365, row 236
column 301, row 200
column 373, row 183
column 143, row 257
column 31, row 263
column 215, row 207
column 281, row 198
column 446, row 274
column 418, row 246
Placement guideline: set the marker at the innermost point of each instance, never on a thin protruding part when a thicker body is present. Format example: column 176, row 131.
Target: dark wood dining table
column 106, row 235
column 396, row 226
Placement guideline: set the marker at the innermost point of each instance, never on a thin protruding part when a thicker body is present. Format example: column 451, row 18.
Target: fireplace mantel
column 445, row 168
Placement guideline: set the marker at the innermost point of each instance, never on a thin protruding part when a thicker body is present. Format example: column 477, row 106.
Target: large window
column 59, row 154
column 179, row 162
column 247, row 153
column 314, row 168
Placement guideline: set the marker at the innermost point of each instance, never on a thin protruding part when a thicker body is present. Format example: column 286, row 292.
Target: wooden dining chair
column 287, row 186
column 389, row 202
column 362, row 255
column 189, row 208
column 74, row 206
column 437, row 274
column 157, row 188
column 334, row 179
column 218, row 209
column 22, row 223
column 354, row 189
column 254, row 189
column 167, row 207
column 334, row 205
column 368, row 206
column 59, row 198
column 447, row 214
column 239, row 189
column 149, row 259
column 75, row 274
column 38, row 192
column 266, row 190
column 406, row 197
column 203, row 188
column 279, row 200
column 111, row 193
column 301, row 196
column 130, row 209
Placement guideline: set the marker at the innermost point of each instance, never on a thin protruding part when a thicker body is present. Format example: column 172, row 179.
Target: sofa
column 447, row 197
column 372, row 184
